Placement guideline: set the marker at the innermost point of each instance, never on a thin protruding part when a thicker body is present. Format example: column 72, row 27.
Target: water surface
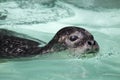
column 41, row 19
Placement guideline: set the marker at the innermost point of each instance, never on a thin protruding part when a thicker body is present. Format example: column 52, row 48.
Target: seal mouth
column 93, row 51
column 88, row 51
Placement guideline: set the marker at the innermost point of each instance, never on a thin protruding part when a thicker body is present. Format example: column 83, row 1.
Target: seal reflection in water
column 73, row 38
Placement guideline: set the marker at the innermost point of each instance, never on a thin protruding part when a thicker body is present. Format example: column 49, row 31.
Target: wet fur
column 13, row 45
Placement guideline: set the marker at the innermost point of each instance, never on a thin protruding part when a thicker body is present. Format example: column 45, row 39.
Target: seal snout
column 92, row 46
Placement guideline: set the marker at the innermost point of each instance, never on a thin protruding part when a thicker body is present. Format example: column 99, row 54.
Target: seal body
column 14, row 47
column 13, row 44
column 74, row 38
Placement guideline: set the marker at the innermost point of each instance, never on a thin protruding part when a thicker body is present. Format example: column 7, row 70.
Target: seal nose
column 92, row 46
column 91, row 42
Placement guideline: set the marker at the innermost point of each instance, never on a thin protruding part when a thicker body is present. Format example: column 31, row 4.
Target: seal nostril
column 94, row 43
column 89, row 43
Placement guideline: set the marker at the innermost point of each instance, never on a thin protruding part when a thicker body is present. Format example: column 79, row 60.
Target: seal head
column 76, row 39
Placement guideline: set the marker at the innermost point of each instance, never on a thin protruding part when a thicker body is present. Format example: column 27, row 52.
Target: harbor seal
column 71, row 37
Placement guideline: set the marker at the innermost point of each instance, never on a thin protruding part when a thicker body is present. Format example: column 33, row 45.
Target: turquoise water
column 41, row 19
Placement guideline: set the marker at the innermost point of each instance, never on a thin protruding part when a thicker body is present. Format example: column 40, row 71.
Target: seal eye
column 73, row 38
